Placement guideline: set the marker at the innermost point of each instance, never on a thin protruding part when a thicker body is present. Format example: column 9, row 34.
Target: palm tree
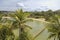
column 6, row 33
column 5, row 30
column 54, row 31
column 21, row 19
column 54, row 28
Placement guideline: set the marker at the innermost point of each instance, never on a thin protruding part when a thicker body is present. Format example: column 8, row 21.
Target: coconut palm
column 54, row 28
column 5, row 30
column 20, row 18
column 6, row 33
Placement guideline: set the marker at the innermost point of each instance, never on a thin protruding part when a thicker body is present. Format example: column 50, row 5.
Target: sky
column 30, row 5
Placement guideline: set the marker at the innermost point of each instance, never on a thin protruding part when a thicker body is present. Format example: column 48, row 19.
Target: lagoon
column 37, row 26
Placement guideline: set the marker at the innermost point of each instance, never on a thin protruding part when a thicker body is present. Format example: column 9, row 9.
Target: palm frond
column 51, row 35
column 27, row 26
column 27, row 20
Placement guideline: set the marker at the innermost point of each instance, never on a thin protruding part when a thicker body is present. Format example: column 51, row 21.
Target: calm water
column 37, row 26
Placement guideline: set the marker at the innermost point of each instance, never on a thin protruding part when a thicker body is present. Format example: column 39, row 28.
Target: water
column 37, row 26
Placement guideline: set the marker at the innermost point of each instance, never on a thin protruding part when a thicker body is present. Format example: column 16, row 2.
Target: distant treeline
column 37, row 14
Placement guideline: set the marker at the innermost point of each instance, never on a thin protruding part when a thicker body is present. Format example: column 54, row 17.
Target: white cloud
column 30, row 4
column 20, row 4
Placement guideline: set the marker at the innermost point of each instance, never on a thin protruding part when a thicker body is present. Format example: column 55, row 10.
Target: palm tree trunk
column 19, row 31
column 54, row 37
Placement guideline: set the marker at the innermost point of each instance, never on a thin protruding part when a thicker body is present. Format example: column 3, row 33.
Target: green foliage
column 5, row 32
column 54, row 27
column 20, row 18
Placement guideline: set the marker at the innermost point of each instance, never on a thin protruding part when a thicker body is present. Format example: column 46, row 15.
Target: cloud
column 29, row 4
column 20, row 4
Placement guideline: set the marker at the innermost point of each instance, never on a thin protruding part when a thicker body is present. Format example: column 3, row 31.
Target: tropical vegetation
column 10, row 21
